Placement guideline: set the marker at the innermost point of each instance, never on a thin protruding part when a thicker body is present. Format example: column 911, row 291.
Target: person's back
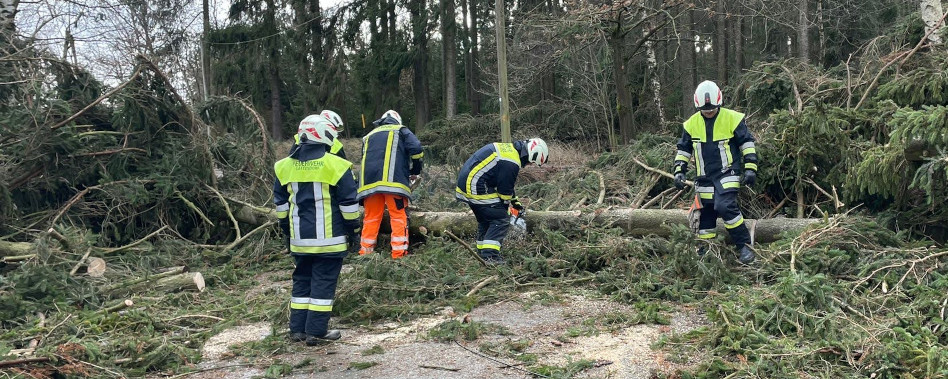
column 489, row 175
column 391, row 158
column 486, row 183
column 315, row 198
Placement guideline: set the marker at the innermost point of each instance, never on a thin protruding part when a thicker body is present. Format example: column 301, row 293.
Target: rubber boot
column 331, row 335
column 746, row 255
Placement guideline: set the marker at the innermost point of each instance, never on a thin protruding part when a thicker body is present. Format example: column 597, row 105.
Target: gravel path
column 550, row 328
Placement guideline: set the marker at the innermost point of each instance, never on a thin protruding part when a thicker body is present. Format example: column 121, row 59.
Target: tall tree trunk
column 273, row 76
column 419, row 22
column 475, row 94
column 720, row 41
column 822, row 32
column 652, row 63
column 621, row 78
column 931, row 11
column 206, row 53
column 689, row 77
column 739, row 44
column 448, row 31
column 8, row 10
column 803, row 32
column 304, row 73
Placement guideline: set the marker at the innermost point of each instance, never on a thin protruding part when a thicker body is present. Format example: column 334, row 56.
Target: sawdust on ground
column 407, row 353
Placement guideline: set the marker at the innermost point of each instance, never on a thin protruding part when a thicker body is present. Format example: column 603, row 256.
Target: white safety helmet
column 392, row 114
column 333, row 118
column 708, row 96
column 317, row 128
column 537, row 152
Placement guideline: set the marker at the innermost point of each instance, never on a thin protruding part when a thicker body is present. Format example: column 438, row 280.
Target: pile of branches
column 111, row 200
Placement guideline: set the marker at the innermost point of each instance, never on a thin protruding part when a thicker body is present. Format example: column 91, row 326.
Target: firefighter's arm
column 684, row 152
column 506, row 179
column 414, row 149
column 746, row 143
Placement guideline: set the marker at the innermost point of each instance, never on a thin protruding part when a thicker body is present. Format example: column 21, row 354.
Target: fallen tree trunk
column 635, row 222
column 14, row 248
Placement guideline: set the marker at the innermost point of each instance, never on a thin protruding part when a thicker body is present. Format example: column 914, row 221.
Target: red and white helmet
column 392, row 114
column 537, row 152
column 333, row 118
column 317, row 128
column 708, row 96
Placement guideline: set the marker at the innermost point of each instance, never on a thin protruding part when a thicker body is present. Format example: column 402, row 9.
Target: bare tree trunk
column 273, row 76
column 205, row 53
column 621, row 78
column 803, row 33
column 635, row 222
column 739, row 44
column 931, row 11
column 449, row 31
column 475, row 94
column 419, row 22
column 652, row 63
column 8, row 10
column 720, row 41
column 688, row 76
column 819, row 25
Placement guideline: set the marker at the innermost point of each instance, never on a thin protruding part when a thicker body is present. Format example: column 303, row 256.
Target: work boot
column 297, row 337
column 701, row 250
column 746, row 255
column 492, row 259
column 331, row 335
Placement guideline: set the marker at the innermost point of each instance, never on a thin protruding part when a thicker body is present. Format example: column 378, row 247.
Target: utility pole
column 205, row 55
column 502, row 72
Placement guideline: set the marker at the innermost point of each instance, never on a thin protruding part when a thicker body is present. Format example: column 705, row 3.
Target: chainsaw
column 517, row 222
column 694, row 214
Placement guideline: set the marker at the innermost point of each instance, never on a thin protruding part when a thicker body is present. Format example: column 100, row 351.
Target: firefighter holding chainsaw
column 486, row 184
column 718, row 140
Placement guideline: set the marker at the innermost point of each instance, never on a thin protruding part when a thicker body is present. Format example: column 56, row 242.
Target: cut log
column 635, row 222
column 136, row 284
column 14, row 248
column 95, row 267
column 118, row 306
column 188, row 281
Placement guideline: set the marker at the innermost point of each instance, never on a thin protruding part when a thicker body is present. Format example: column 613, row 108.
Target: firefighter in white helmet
column 722, row 147
column 334, row 119
column 315, row 198
column 486, row 184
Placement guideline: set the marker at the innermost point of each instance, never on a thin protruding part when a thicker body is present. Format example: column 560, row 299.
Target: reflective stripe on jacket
column 390, row 154
column 489, row 175
column 318, row 196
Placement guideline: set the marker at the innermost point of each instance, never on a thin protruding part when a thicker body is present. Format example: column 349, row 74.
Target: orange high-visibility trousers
column 375, row 206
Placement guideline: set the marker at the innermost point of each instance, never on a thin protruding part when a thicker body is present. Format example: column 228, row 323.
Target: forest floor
column 552, row 330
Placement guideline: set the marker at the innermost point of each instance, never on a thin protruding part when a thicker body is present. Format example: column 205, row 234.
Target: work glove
column 516, row 204
column 750, row 178
column 680, row 181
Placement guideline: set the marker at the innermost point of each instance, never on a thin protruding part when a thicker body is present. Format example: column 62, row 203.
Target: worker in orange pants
column 391, row 160
column 374, row 208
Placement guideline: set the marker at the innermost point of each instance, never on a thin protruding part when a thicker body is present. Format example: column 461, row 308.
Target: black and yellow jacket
column 489, row 175
column 716, row 144
column 390, row 154
column 315, row 197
